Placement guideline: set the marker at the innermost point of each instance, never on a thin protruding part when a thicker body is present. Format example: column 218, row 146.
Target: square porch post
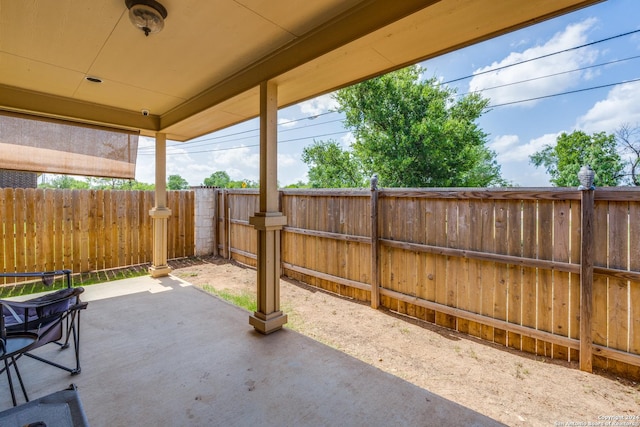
column 269, row 220
column 160, row 213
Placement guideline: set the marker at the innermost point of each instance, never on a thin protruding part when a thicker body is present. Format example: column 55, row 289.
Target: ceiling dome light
column 148, row 15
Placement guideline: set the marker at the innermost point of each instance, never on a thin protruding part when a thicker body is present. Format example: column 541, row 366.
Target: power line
column 191, row 143
column 246, row 146
column 541, row 57
column 551, row 75
column 563, row 93
column 182, row 145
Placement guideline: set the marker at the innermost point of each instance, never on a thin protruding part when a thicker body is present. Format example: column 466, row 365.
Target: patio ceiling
column 202, row 72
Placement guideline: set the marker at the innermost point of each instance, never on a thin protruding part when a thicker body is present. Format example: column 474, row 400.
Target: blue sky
column 516, row 128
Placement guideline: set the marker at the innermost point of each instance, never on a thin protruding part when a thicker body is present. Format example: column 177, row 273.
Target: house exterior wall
column 205, row 220
column 18, row 179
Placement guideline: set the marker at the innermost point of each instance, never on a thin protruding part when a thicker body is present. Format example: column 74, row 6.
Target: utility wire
column 551, row 75
column 212, row 138
column 343, row 132
column 540, row 57
column 181, row 145
column 247, row 146
column 563, row 93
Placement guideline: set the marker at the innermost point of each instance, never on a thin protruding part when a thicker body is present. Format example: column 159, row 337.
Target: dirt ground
column 515, row 388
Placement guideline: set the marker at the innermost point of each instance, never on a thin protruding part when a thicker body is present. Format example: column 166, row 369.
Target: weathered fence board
column 85, row 230
column 501, row 226
column 600, row 282
column 514, row 286
column 501, row 265
column 561, row 279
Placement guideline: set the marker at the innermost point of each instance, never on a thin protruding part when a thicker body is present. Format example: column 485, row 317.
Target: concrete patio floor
column 160, row 352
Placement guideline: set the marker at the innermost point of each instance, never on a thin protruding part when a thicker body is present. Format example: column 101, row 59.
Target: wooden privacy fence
column 501, row 265
column 87, row 230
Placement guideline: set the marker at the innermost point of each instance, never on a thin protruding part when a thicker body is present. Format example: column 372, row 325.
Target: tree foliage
column 629, row 142
column 299, row 184
column 119, row 184
column 176, row 182
column 563, row 160
column 65, row 182
column 221, row 179
column 412, row 133
column 332, row 167
column 218, row 179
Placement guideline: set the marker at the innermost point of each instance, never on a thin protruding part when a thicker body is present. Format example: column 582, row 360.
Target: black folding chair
column 54, row 317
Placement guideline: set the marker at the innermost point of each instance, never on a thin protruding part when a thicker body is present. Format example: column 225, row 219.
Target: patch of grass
column 83, row 279
column 245, row 300
column 521, row 371
column 294, row 320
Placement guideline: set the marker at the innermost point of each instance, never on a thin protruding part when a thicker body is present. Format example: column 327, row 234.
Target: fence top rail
column 545, row 193
column 326, row 192
column 239, row 191
column 631, row 194
column 542, row 193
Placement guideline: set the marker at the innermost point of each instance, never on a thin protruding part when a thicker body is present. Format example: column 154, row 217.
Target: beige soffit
column 200, row 73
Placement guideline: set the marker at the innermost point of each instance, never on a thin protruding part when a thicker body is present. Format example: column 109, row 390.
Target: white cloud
column 513, row 158
column 308, row 109
column 619, row 107
column 508, row 149
column 573, row 35
column 502, row 143
column 285, row 160
column 291, row 169
column 346, row 140
column 239, row 163
column 287, row 123
column 319, row 105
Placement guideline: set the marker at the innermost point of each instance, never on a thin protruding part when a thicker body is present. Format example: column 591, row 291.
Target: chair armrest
column 47, row 277
column 45, row 300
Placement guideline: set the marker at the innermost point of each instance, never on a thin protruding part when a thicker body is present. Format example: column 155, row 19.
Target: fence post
column 280, row 267
column 216, row 221
column 223, row 224
column 586, row 267
column 375, row 276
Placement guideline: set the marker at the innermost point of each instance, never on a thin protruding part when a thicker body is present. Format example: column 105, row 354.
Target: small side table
column 15, row 344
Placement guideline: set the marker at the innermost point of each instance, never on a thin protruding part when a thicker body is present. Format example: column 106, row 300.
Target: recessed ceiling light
column 93, row 79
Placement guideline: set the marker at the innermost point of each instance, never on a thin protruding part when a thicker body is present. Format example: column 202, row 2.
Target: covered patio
column 155, row 350
column 212, row 65
column 158, row 351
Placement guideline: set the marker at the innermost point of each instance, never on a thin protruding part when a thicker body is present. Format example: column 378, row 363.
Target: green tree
column 137, row 185
column 629, row 142
column 299, row 184
column 563, row 160
column 65, row 181
column 244, row 183
column 415, row 133
column 118, row 184
column 176, row 182
column 218, row 179
column 332, row 167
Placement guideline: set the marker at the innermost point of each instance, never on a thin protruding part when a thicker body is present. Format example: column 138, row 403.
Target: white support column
column 269, row 221
column 160, row 213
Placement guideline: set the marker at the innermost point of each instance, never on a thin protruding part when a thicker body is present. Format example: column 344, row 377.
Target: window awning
column 36, row 144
